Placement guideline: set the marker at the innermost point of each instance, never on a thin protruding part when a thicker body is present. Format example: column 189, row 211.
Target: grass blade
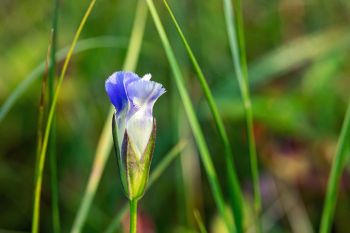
column 163, row 164
column 38, row 184
column 335, row 175
column 199, row 221
column 105, row 142
column 52, row 138
column 236, row 41
column 197, row 132
column 235, row 192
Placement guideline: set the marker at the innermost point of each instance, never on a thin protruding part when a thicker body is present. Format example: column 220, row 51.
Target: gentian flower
column 133, row 126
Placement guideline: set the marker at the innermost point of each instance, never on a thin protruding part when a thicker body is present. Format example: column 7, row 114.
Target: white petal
column 139, row 128
column 147, row 77
column 121, row 125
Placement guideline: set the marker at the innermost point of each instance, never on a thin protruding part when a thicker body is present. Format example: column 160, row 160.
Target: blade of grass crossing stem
column 105, row 141
column 52, row 140
column 335, row 175
column 199, row 221
column 158, row 171
column 197, row 132
column 41, row 111
column 241, row 73
column 235, row 192
column 38, row 184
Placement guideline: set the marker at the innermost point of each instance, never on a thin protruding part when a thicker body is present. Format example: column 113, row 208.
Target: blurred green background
column 298, row 61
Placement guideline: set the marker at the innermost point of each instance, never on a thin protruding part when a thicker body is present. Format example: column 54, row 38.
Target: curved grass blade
column 38, row 184
column 160, row 168
column 236, row 41
column 197, row 132
column 335, row 175
column 105, row 141
column 288, row 57
column 81, row 46
column 235, row 192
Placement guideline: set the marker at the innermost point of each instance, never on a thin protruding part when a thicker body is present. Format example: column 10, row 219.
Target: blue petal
column 115, row 88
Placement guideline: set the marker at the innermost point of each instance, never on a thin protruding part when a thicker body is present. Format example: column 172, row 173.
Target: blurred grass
column 297, row 55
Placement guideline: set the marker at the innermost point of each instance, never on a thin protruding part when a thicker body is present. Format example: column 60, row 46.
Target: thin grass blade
column 81, row 46
column 235, row 191
column 37, row 191
column 235, row 34
column 199, row 221
column 41, row 112
column 335, row 175
column 52, row 139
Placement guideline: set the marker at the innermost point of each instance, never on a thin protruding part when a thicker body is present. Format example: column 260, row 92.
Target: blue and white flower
column 133, row 126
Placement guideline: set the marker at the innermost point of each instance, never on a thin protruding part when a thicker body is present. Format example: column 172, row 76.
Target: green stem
column 336, row 171
column 133, row 216
column 52, row 142
column 155, row 175
column 234, row 24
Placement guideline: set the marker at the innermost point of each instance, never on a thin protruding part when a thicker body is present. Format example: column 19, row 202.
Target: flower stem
column 52, row 138
column 133, row 216
column 105, row 141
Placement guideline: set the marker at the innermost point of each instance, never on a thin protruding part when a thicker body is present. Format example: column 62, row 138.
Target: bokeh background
column 298, row 61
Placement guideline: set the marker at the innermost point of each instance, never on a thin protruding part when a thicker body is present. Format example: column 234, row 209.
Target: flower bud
column 133, row 126
column 134, row 170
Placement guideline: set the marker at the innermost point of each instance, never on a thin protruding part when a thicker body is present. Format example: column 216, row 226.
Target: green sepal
column 134, row 172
